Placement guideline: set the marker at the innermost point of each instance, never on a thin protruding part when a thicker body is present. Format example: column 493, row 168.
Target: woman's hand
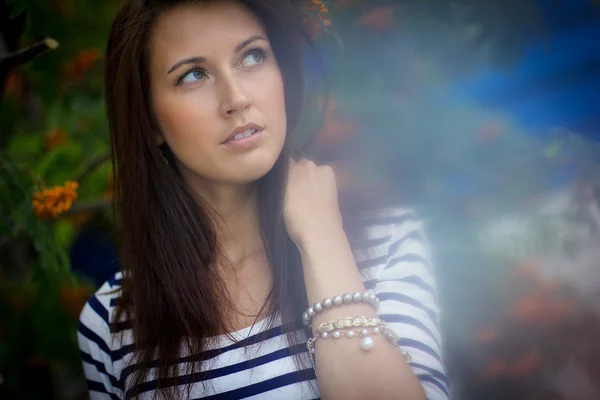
column 311, row 201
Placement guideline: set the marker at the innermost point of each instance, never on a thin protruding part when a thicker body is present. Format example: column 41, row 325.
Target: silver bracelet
column 350, row 327
column 368, row 297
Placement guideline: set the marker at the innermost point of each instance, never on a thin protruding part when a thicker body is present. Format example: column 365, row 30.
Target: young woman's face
column 213, row 74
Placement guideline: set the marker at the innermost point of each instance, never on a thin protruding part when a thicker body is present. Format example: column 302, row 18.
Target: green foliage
column 53, row 129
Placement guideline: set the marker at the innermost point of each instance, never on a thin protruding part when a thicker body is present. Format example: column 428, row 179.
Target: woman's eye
column 192, row 76
column 253, row 58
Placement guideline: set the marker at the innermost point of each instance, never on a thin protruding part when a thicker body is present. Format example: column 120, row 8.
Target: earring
column 163, row 157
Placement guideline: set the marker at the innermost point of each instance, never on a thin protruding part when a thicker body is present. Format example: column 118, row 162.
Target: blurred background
column 482, row 115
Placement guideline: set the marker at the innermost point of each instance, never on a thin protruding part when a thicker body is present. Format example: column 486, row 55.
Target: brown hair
column 171, row 289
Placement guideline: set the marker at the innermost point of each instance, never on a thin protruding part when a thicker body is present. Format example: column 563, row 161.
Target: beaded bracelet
column 366, row 297
column 343, row 328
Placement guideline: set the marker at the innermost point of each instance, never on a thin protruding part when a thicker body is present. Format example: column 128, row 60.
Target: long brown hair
column 171, row 289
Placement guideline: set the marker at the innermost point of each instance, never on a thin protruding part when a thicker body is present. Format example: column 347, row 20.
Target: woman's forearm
column 344, row 369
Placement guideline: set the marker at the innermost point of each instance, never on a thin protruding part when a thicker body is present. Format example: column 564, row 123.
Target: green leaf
column 39, row 245
column 64, row 232
column 24, row 147
column 59, row 163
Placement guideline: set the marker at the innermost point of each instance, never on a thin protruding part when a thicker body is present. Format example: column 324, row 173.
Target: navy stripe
column 208, row 354
column 114, row 281
column 99, row 387
column 433, row 372
column 370, row 284
column 411, row 257
column 405, row 319
column 265, row 386
column 368, row 243
column 428, row 378
column 419, row 282
column 99, row 308
column 402, row 298
column 216, row 373
column 121, row 352
column 410, row 279
column 114, row 301
column 114, row 355
column 92, row 336
column 404, row 342
column 116, row 327
column 413, row 235
column 85, row 357
column 372, row 262
column 392, row 219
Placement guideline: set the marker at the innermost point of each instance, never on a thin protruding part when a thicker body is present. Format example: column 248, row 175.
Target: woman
column 226, row 240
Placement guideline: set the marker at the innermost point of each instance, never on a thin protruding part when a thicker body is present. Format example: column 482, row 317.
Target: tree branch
column 92, row 165
column 27, row 54
column 89, row 206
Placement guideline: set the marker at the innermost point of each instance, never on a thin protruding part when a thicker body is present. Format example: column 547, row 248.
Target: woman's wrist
column 319, row 238
column 329, row 265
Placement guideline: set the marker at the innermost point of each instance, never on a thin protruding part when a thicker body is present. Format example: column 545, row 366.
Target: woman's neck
column 241, row 261
column 237, row 220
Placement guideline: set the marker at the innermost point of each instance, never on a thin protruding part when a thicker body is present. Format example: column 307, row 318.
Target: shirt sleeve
column 409, row 303
column 94, row 337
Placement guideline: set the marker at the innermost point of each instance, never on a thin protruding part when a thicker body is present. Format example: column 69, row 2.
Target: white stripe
column 413, row 312
column 99, row 396
column 432, row 392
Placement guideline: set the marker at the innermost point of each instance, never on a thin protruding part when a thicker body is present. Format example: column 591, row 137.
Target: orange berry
column 50, row 203
column 83, row 62
column 55, row 138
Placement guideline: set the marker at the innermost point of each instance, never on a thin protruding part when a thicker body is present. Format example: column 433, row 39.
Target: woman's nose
column 235, row 99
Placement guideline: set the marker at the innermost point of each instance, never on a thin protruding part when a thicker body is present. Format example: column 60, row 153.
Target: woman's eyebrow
column 246, row 42
column 200, row 60
column 191, row 60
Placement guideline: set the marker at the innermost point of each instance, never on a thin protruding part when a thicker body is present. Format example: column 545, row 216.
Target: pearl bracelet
column 354, row 327
column 348, row 298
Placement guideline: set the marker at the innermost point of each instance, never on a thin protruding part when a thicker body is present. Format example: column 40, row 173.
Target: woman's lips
column 245, row 142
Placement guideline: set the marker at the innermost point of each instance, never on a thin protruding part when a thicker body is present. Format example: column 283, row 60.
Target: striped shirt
column 394, row 263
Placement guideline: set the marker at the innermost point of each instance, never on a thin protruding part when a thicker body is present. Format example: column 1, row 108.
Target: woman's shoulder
column 97, row 314
column 390, row 222
column 102, row 352
column 392, row 215
column 384, row 229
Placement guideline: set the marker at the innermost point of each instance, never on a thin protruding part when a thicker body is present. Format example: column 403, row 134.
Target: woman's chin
column 246, row 170
column 238, row 169
column 253, row 166
column 253, row 172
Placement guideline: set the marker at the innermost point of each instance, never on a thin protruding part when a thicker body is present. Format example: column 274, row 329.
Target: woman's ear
column 160, row 140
